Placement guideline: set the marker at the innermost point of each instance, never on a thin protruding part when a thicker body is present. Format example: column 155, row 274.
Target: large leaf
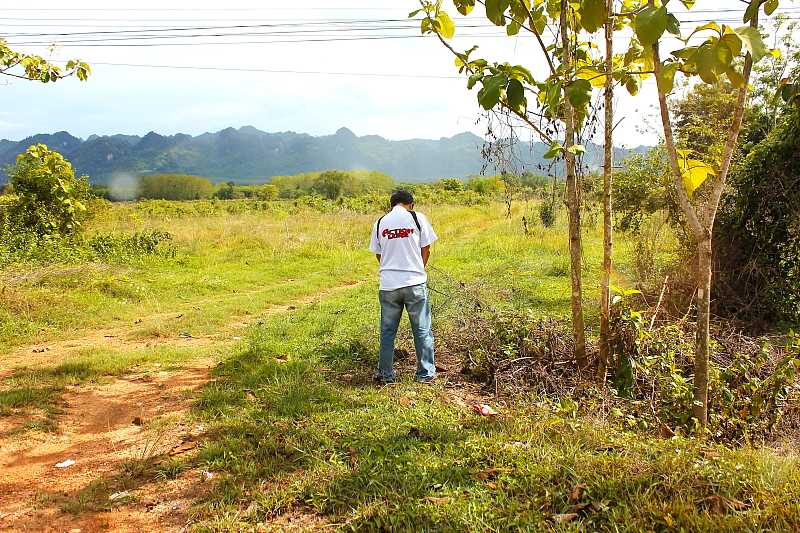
column 490, row 94
column 694, row 174
column 579, row 93
column 666, row 77
column 495, row 11
column 593, row 14
column 650, row 24
column 554, row 150
column 752, row 41
column 515, row 93
column 446, row 26
column 594, row 75
column 706, row 61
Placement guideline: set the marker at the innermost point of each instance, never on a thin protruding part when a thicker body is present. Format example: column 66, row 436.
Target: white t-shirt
column 400, row 242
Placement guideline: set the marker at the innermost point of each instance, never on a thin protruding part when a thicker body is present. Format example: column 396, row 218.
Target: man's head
column 402, row 197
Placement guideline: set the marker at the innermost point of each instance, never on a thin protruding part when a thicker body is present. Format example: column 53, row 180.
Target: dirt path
column 103, row 428
column 112, row 432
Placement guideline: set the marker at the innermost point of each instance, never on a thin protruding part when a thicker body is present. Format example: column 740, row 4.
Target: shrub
column 46, row 197
column 750, row 380
column 757, row 239
column 174, row 187
column 547, row 214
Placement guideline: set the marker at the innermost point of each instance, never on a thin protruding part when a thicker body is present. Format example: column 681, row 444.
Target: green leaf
column 734, row 42
column 688, row 4
column 446, row 26
column 579, row 93
column 673, row 25
column 515, row 93
column 414, row 13
column 513, row 28
column 489, row 95
column 752, row 41
column 735, row 77
column 554, row 151
column 474, row 79
column 593, row 14
column 650, row 24
column 666, row 77
column 495, row 11
column 521, row 73
column 706, row 61
column 464, row 6
column 576, row 149
column 632, row 85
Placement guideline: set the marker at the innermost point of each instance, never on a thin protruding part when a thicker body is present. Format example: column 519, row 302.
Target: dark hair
column 401, row 197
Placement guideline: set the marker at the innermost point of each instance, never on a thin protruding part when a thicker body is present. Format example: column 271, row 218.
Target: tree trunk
column 573, row 203
column 702, row 349
column 702, row 225
column 608, row 165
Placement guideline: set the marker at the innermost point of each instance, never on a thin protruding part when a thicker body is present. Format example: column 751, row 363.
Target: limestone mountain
column 250, row 155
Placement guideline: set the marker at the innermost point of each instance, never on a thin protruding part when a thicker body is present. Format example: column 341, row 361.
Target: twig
column 658, row 305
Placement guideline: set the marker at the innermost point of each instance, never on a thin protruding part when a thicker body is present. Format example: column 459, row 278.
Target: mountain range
column 249, row 155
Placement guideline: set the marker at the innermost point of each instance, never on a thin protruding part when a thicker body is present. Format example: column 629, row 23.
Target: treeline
column 328, row 184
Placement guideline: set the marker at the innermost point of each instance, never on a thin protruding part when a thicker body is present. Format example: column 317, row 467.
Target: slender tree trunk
column 608, row 165
column 573, row 202
column 702, row 351
column 701, row 223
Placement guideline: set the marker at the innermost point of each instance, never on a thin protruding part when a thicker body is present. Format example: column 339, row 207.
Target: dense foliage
column 46, row 198
column 759, row 229
column 174, row 187
column 332, row 184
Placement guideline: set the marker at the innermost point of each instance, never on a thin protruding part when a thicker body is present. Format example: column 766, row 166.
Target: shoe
column 382, row 380
column 425, row 380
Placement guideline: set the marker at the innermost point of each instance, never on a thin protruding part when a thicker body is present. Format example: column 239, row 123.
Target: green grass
column 408, row 457
column 295, row 425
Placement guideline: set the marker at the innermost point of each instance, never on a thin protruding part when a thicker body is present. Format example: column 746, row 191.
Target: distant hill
column 250, row 155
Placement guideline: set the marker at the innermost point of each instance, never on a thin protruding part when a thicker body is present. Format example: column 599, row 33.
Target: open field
column 228, row 388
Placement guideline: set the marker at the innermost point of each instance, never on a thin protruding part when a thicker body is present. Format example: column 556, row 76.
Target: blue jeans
column 415, row 300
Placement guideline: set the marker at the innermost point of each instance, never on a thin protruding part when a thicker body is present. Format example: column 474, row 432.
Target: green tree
column 334, row 183
column 47, row 198
column 565, row 94
column 174, row 187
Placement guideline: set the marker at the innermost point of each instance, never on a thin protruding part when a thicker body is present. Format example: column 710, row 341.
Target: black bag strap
column 416, row 221
column 378, row 225
column 378, row 228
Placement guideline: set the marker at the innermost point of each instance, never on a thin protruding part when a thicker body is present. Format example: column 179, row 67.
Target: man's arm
column 426, row 253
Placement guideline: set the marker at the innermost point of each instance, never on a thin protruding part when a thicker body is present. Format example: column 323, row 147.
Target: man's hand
column 426, row 253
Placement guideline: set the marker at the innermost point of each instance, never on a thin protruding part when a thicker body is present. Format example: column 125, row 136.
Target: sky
column 398, row 88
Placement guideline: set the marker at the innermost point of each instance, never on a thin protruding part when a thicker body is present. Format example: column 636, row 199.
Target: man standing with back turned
column 401, row 240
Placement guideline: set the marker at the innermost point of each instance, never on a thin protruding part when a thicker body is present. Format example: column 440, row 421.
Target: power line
column 283, row 71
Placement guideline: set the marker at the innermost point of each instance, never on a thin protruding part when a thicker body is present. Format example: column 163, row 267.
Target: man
column 401, row 240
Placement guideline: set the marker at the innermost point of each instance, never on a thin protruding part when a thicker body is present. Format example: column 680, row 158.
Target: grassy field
column 282, row 307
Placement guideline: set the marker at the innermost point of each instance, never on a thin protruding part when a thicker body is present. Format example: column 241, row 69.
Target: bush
column 174, row 187
column 46, row 197
column 757, row 239
column 750, row 380
column 547, row 214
